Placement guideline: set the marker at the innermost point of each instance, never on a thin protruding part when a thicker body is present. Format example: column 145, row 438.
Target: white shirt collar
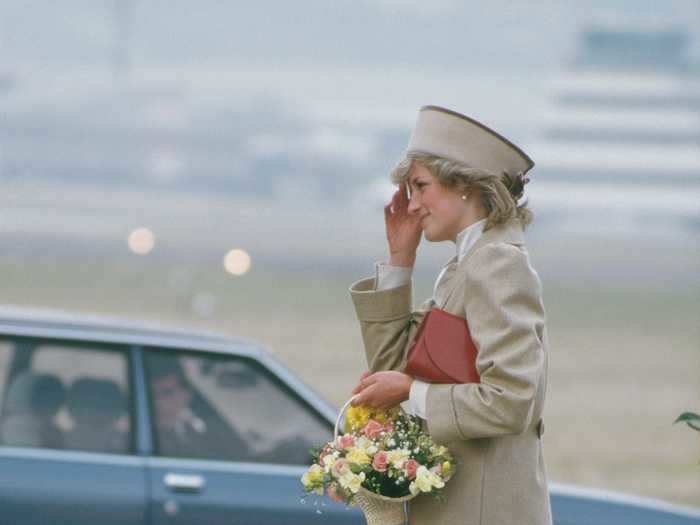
column 467, row 237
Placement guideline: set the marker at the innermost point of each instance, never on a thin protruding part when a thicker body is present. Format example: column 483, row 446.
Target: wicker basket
column 378, row 510
column 381, row 510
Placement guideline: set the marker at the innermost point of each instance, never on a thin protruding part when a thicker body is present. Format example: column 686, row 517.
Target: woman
column 465, row 182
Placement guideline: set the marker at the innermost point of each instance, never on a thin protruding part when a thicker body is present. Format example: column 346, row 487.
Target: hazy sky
column 368, row 32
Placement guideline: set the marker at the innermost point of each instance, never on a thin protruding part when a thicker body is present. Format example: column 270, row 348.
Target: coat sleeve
column 506, row 320
column 387, row 323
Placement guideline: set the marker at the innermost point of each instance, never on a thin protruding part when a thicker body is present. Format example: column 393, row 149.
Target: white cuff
column 417, row 399
column 389, row 277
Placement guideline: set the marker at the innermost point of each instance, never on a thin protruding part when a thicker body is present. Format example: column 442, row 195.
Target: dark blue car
column 104, row 422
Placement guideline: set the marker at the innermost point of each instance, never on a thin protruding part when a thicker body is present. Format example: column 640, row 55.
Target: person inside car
column 183, row 431
column 96, row 407
column 28, row 419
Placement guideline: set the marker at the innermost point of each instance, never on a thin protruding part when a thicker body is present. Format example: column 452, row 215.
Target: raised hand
column 403, row 230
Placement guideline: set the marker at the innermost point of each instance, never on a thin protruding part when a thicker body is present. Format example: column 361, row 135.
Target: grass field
column 624, row 360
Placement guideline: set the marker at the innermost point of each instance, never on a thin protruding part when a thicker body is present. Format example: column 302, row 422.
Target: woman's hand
column 382, row 390
column 403, row 231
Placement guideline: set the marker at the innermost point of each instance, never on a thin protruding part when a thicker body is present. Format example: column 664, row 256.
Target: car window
column 68, row 396
column 227, row 408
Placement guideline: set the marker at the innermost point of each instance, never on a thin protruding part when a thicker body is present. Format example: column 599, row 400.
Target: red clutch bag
column 442, row 350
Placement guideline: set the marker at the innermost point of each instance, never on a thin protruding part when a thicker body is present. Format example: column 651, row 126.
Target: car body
column 88, row 477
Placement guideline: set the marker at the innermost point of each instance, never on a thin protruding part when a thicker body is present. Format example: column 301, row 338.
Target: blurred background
column 224, row 165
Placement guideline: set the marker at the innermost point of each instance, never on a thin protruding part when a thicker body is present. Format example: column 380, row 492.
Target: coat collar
column 510, row 233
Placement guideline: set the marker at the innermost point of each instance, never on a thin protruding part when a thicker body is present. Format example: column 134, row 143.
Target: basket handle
column 340, row 415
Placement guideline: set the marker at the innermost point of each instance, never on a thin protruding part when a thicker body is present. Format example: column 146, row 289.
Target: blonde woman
column 464, row 183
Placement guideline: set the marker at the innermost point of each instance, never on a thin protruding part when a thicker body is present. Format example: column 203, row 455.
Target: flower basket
column 378, row 509
column 382, row 460
column 382, row 510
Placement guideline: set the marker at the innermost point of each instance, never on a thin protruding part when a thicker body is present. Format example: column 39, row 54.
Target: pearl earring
column 464, row 197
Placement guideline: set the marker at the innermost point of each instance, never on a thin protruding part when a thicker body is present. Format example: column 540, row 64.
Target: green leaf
column 690, row 418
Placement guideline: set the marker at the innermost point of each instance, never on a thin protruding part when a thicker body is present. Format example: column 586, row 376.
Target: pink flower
column 411, row 467
column 373, row 429
column 340, row 467
column 334, row 494
column 381, row 461
column 437, row 469
column 326, row 450
column 345, row 441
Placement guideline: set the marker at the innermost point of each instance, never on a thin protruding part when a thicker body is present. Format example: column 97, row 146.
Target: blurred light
column 141, row 241
column 237, row 262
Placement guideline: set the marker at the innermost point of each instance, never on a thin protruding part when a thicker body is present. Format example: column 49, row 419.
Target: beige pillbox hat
column 453, row 136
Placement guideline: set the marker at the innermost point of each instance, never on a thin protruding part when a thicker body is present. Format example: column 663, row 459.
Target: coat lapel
column 510, row 232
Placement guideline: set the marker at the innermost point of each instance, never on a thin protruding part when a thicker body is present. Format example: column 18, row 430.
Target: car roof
column 44, row 322
column 89, row 327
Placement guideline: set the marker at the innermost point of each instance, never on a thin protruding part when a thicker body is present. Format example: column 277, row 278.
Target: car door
column 66, row 419
column 231, row 441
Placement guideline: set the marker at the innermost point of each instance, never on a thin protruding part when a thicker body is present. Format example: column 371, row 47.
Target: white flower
column 351, row 481
column 328, row 462
column 423, row 479
column 439, row 451
column 356, row 482
column 364, row 443
column 398, row 457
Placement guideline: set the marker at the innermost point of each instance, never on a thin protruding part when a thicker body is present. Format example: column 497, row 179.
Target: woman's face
column 443, row 212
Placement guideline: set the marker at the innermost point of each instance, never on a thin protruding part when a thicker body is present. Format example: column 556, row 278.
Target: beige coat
column 493, row 428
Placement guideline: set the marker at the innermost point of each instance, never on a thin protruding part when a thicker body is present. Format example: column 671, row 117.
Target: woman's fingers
column 367, row 397
column 399, row 202
column 403, row 194
column 366, row 379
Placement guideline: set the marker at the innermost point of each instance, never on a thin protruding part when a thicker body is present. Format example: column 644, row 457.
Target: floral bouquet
column 380, row 461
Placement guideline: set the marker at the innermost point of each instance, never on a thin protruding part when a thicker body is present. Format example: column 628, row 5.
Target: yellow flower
column 312, row 476
column 356, row 417
column 446, row 467
column 358, row 456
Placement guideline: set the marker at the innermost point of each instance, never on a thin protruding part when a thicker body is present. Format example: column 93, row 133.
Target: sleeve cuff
column 382, row 305
column 389, row 276
column 418, row 397
column 442, row 423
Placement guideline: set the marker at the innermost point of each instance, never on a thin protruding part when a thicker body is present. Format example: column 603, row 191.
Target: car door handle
column 184, row 482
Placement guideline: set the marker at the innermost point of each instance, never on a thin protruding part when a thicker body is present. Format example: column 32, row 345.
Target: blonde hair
column 499, row 193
